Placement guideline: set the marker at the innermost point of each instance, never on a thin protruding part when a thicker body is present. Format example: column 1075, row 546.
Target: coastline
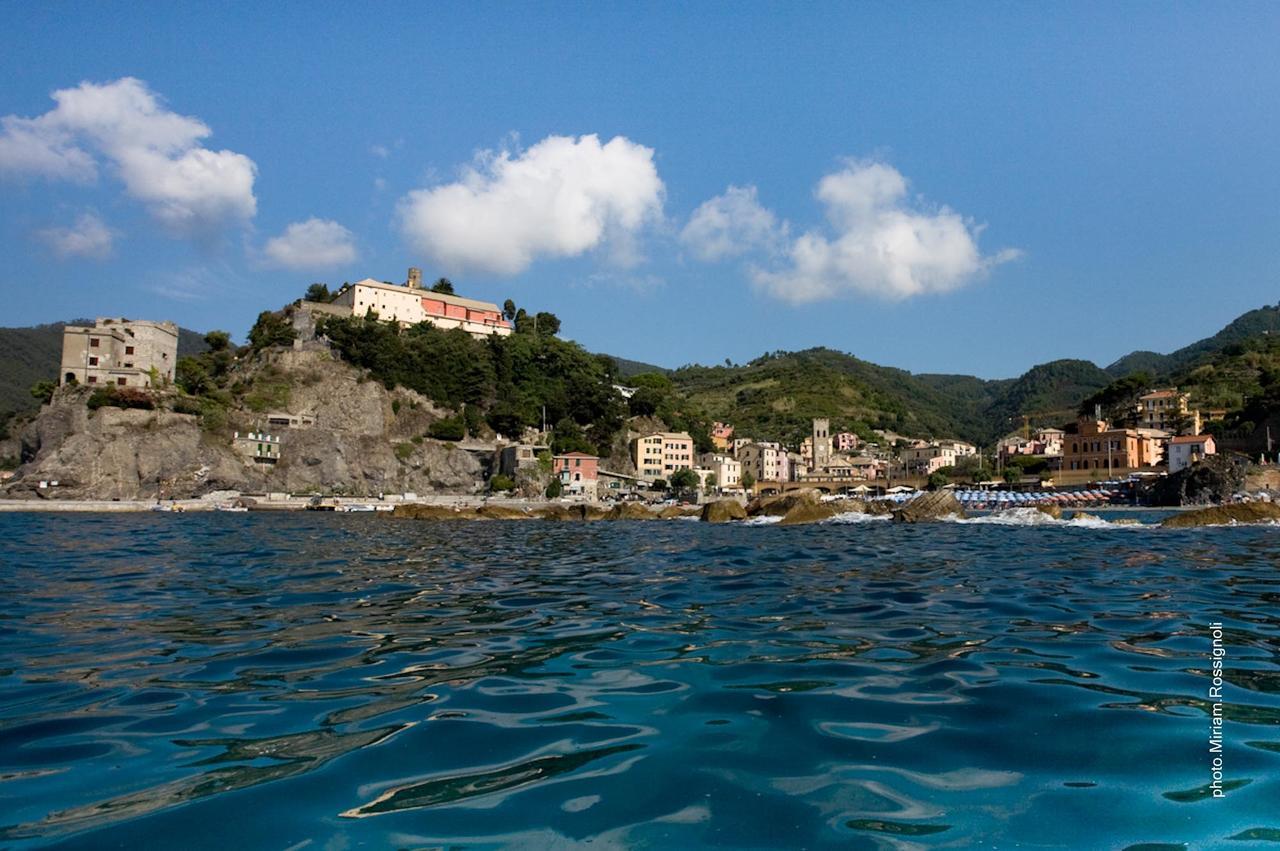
column 459, row 501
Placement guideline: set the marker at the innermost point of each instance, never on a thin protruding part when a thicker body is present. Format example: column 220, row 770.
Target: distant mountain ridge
column 32, row 354
column 1262, row 321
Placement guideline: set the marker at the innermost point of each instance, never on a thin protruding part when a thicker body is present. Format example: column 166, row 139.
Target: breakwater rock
column 929, row 506
column 723, row 511
column 1221, row 515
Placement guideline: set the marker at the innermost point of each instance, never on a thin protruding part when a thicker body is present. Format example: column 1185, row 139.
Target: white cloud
column 313, row 244
column 560, row 198
column 878, row 242
column 155, row 152
column 88, row 237
column 882, row 244
column 730, row 225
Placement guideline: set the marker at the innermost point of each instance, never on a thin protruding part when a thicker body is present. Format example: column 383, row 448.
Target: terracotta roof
column 428, row 293
column 576, row 455
column 1192, row 438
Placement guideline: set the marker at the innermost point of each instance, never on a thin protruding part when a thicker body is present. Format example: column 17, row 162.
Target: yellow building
column 1168, row 410
column 660, row 454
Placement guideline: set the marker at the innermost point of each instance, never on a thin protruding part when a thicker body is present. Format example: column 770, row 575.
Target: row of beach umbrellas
column 1011, row 499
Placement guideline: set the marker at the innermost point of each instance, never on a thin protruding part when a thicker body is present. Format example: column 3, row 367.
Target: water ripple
column 295, row 680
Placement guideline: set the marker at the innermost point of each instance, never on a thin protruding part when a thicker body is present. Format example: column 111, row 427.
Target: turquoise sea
column 333, row 682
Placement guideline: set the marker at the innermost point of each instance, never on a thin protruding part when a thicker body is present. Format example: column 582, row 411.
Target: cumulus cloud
column 730, row 225
column 878, row 241
column 313, row 244
column 560, row 198
column 881, row 245
column 88, row 237
column 156, row 153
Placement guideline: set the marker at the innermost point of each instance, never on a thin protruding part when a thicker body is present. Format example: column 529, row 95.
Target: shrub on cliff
column 449, row 428
column 271, row 329
column 511, row 382
column 120, row 397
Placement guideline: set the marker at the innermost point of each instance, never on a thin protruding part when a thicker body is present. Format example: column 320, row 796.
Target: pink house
column 578, row 471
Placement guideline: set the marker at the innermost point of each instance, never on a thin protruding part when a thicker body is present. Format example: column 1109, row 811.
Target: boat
column 230, row 508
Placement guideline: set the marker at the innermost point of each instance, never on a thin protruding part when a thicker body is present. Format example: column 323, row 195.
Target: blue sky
column 940, row 187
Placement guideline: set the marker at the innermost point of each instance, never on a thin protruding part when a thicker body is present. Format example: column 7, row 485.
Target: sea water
column 329, row 682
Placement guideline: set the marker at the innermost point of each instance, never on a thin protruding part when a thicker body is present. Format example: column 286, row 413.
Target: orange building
column 721, row 435
column 1109, row 450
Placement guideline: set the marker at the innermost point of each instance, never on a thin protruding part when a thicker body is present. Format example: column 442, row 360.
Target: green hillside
column 32, row 354
column 627, row 368
column 776, row 396
column 1263, row 321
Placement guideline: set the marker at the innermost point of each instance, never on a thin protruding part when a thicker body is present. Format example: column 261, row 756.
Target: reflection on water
column 297, row 681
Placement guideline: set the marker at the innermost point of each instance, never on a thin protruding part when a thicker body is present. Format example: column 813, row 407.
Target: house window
column 93, row 360
column 121, row 381
column 93, row 379
column 93, row 342
column 128, row 350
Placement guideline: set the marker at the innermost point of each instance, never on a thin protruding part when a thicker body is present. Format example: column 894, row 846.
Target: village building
column 284, row 419
column 1186, row 450
column 119, row 352
column 1109, row 450
column 1044, row 443
column 660, row 454
column 766, row 461
column 845, row 441
column 726, row 469
column 721, row 435
column 410, row 304
column 925, row 459
column 517, row 456
column 258, row 447
column 578, row 472
column 821, row 444
column 1168, row 410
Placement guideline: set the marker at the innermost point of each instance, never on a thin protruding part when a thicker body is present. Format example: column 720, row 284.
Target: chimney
column 415, row 278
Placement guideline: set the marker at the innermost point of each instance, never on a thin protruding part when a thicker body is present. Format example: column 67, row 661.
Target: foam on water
column 1025, row 516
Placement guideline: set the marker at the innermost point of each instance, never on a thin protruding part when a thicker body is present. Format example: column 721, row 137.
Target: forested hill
column 775, row 396
column 29, row 355
column 1261, row 322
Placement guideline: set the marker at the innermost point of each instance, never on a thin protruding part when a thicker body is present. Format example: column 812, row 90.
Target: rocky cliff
column 365, row 440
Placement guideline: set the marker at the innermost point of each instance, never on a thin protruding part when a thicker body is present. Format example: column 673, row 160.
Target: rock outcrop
column 1051, row 510
column 780, row 504
column 1219, row 515
column 366, row 440
column 503, row 512
column 413, row 511
column 929, row 506
column 722, row 511
column 811, row 512
column 1214, row 480
column 630, row 511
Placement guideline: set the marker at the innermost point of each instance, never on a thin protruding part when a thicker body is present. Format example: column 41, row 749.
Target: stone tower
column 415, row 278
column 821, row 445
